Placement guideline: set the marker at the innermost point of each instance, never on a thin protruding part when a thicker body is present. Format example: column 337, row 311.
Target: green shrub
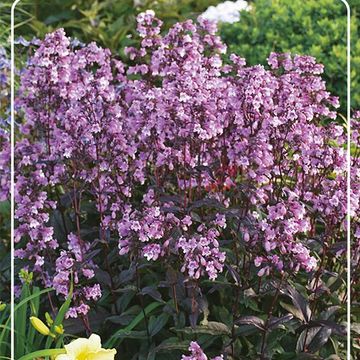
column 313, row 27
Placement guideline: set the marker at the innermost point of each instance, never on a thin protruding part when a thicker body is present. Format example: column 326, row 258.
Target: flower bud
column 39, row 326
column 48, row 318
column 2, row 307
column 59, row 329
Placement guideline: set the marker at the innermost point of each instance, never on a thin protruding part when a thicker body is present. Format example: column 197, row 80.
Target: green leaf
column 299, row 302
column 168, row 346
column 319, row 340
column 41, row 353
column 251, row 320
column 157, row 323
column 275, row 322
column 115, row 338
column 293, row 310
column 20, row 317
column 61, row 314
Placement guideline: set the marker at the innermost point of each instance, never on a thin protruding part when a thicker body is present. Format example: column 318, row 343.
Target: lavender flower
column 197, row 353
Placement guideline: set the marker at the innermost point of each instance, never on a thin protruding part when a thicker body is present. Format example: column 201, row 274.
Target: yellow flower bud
column 48, row 318
column 59, row 329
column 26, row 276
column 2, row 307
column 39, row 326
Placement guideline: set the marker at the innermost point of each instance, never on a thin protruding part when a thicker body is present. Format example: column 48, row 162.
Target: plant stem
column 265, row 334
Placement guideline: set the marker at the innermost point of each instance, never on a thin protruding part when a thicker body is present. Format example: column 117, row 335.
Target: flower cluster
column 4, row 126
column 66, row 103
column 4, row 165
column 201, row 253
column 148, row 232
column 197, row 353
column 73, row 262
column 285, row 221
column 170, row 150
column 355, row 204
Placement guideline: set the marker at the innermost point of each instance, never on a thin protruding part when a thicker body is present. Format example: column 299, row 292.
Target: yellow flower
column 87, row 349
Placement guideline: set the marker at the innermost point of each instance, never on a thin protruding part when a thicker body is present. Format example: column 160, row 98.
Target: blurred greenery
column 110, row 23
column 4, row 22
column 313, row 27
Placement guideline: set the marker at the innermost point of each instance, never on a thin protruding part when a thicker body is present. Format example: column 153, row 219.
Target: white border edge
column 348, row 181
column 12, row 177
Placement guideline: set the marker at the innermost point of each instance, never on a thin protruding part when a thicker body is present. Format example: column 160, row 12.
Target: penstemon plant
column 179, row 187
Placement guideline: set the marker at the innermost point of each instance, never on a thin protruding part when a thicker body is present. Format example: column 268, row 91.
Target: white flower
column 226, row 12
column 87, row 349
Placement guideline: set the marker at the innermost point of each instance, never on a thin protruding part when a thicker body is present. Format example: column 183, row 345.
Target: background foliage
column 314, row 27
column 109, row 23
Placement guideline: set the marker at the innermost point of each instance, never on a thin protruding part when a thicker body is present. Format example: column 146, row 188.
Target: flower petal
column 65, row 357
column 83, row 346
column 95, row 342
column 103, row 354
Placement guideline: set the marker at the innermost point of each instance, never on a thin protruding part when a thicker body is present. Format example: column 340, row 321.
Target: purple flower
column 197, row 353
